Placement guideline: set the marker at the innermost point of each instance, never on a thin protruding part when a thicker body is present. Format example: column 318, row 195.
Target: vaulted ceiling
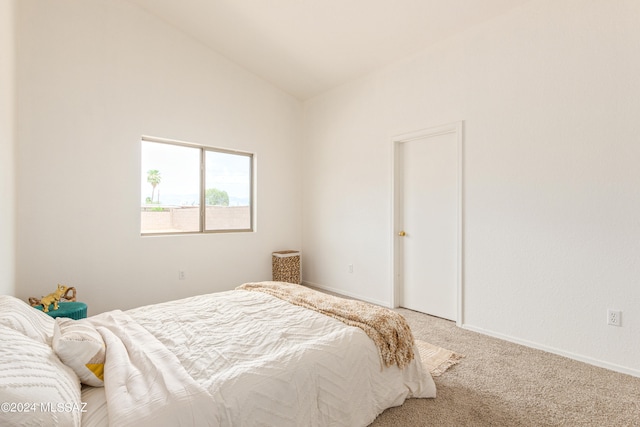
column 308, row 46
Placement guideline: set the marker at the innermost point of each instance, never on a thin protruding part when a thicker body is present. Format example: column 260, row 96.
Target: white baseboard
column 574, row 356
column 346, row 294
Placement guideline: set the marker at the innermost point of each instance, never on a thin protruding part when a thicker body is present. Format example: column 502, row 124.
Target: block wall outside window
column 189, row 188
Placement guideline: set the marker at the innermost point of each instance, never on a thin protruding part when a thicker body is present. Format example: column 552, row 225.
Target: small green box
column 72, row 310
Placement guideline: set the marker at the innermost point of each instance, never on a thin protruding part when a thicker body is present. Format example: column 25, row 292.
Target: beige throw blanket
column 388, row 329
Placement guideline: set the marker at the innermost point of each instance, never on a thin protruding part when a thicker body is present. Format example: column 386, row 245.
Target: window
column 188, row 188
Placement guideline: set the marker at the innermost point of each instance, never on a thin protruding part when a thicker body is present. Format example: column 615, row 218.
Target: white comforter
column 243, row 358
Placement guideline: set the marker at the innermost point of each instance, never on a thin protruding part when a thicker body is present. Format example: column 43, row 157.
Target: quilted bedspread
column 388, row 330
column 248, row 359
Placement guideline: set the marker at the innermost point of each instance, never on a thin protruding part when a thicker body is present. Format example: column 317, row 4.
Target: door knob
column 402, row 234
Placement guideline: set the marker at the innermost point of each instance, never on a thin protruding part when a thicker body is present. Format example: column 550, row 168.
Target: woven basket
column 286, row 266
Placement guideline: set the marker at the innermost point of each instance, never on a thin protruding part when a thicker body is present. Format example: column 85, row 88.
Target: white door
column 428, row 223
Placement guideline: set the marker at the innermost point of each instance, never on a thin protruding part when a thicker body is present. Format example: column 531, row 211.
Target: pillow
column 81, row 347
column 20, row 316
column 37, row 389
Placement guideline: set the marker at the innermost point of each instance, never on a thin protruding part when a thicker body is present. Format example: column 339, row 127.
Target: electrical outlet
column 350, row 267
column 614, row 317
column 181, row 275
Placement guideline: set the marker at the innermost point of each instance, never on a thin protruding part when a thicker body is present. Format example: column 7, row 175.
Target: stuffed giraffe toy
column 53, row 298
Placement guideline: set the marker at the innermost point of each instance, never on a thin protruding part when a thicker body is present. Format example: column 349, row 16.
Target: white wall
column 550, row 97
column 95, row 75
column 7, row 147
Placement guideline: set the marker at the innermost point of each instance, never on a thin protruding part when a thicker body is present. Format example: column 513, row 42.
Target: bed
column 246, row 357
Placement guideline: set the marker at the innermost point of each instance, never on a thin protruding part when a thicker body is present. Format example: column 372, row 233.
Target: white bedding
column 245, row 359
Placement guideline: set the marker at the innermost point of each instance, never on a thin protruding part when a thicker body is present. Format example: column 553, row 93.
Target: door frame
column 455, row 128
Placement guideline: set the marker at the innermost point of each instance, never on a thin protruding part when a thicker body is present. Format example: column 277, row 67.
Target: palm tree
column 154, row 178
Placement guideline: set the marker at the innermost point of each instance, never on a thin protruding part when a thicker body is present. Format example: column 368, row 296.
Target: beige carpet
column 503, row 384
